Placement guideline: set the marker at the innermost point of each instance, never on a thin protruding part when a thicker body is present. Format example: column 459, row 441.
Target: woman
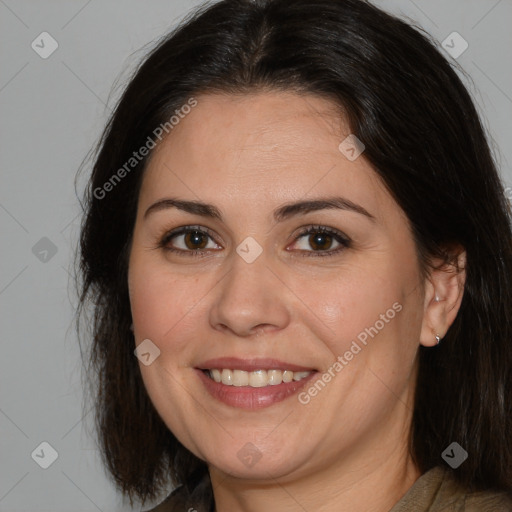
column 300, row 258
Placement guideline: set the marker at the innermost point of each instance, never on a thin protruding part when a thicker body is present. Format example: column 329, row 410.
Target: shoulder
column 196, row 498
column 463, row 501
column 173, row 502
column 437, row 491
column 488, row 502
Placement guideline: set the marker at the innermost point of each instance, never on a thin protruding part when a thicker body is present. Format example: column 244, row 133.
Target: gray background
column 51, row 113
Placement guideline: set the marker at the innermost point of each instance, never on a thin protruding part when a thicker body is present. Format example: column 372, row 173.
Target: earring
column 438, row 339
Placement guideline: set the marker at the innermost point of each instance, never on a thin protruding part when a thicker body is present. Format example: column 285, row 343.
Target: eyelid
column 340, row 237
column 319, row 228
column 168, row 235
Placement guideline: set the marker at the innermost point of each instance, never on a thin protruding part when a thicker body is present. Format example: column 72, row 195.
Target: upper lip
column 251, row 364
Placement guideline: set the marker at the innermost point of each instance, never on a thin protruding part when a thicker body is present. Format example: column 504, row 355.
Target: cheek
column 162, row 308
column 161, row 302
column 346, row 305
column 376, row 305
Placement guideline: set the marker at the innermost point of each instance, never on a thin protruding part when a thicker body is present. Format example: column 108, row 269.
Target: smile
column 254, row 379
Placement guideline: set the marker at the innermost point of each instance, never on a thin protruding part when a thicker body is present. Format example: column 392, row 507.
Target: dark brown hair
column 423, row 137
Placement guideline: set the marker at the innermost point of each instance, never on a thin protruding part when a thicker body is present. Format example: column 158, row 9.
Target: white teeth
column 227, row 377
column 275, row 377
column 240, row 378
column 256, row 379
column 287, row 376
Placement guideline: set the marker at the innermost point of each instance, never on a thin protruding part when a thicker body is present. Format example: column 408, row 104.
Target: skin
column 345, row 450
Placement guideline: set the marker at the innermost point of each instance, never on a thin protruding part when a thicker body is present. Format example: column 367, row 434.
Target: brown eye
column 320, row 241
column 190, row 241
column 195, row 240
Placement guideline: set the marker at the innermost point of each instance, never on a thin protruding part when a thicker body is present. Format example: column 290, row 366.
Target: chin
column 250, row 462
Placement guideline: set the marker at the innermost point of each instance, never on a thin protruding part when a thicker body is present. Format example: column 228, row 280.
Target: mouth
column 255, row 379
column 252, row 384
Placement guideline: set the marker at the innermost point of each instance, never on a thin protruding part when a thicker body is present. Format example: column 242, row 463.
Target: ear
column 444, row 289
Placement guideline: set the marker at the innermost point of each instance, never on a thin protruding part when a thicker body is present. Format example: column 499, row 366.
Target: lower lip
column 246, row 397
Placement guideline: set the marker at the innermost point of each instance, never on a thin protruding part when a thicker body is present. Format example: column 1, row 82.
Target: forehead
column 279, row 123
column 268, row 146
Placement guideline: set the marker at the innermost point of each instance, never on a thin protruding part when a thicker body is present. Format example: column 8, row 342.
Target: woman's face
column 342, row 306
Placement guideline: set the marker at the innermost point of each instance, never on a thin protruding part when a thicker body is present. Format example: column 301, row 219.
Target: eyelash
column 338, row 236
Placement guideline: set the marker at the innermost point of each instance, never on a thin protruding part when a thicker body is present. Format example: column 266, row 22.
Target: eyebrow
column 280, row 214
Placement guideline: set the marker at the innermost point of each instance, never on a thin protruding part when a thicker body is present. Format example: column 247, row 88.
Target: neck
column 377, row 491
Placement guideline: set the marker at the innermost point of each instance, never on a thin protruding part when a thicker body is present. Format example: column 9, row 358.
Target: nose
column 250, row 299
